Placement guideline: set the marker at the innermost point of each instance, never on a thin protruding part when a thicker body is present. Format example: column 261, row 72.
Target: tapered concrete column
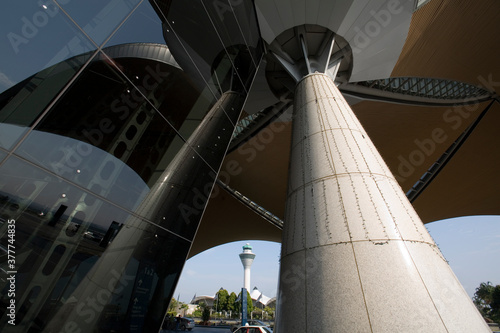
column 355, row 256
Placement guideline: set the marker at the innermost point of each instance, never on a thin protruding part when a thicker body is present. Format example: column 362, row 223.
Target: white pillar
column 246, row 278
column 247, row 258
column 355, row 255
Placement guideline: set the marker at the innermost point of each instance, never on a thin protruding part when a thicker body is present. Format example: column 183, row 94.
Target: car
column 253, row 329
column 170, row 323
column 186, row 324
column 251, row 322
column 89, row 235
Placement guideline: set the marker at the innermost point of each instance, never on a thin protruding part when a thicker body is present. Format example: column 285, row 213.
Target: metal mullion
column 401, row 87
column 388, row 84
column 436, row 84
column 443, row 85
column 417, row 80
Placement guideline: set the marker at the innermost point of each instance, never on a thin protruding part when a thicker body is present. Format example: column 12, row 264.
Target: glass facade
column 114, row 119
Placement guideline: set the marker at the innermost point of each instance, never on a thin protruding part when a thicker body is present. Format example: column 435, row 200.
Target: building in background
column 135, row 134
column 259, row 300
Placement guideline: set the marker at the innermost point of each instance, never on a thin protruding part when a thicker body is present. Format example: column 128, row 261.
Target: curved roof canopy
column 449, row 57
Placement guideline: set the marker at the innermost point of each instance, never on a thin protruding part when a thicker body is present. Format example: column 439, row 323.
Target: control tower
column 247, row 257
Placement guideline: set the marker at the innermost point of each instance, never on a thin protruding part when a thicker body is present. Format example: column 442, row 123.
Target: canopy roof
column 445, row 41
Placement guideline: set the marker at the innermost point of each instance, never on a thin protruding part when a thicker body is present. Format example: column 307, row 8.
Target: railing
column 261, row 211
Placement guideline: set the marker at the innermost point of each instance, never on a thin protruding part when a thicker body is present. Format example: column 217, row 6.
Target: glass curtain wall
column 114, row 119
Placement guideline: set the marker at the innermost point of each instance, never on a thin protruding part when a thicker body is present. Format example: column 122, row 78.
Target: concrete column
column 355, row 255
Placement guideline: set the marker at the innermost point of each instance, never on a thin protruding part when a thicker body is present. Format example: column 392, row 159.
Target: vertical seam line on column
column 305, row 163
column 425, row 285
column 352, row 244
column 406, row 247
column 327, row 217
column 334, row 169
column 327, row 150
column 433, row 247
column 376, row 184
column 343, row 116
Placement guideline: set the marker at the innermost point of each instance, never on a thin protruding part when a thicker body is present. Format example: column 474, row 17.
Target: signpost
column 243, row 306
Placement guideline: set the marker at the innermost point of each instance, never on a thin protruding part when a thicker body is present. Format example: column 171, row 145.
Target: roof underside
column 446, row 40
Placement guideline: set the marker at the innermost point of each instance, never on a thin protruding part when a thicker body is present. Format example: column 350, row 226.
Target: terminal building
column 135, row 134
column 259, row 300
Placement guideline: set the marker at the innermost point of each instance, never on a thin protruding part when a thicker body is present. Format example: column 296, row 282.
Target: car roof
column 252, row 326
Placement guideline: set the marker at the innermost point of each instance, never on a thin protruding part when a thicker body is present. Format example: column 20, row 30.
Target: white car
column 251, row 322
column 253, row 329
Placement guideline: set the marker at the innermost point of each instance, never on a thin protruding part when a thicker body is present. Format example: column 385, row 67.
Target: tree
column 222, row 300
column 249, row 303
column 205, row 315
column 231, row 303
column 495, row 304
column 172, row 307
column 184, row 307
column 270, row 311
column 487, row 300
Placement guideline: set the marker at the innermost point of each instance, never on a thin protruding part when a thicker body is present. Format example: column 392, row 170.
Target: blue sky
column 470, row 244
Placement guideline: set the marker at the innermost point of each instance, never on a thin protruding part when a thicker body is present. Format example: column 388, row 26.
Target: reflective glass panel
column 116, row 128
column 143, row 26
column 34, row 64
column 248, row 25
column 111, row 169
column 72, row 247
column 99, row 18
column 222, row 16
column 194, row 59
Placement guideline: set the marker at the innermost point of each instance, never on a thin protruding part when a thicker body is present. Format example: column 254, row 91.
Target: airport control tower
column 247, row 257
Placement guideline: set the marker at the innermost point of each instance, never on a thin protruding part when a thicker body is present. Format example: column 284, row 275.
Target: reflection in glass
column 35, row 66
column 29, row 45
column 143, row 26
column 61, row 239
column 110, row 170
column 197, row 35
column 99, row 18
column 58, row 234
column 21, row 105
column 105, row 135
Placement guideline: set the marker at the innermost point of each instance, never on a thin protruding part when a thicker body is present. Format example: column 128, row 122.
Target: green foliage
column 221, row 304
column 495, row 304
column 231, row 303
column 269, row 311
column 487, row 300
column 249, row 303
column 172, row 307
column 205, row 315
